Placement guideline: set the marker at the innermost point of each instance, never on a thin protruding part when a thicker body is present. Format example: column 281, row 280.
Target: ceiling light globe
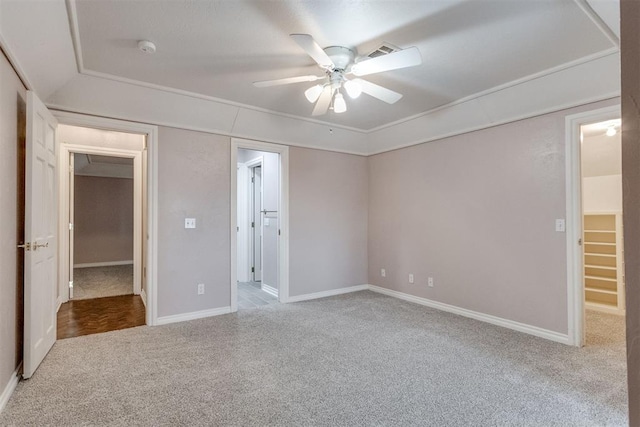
column 339, row 106
column 611, row 131
column 353, row 88
column 313, row 93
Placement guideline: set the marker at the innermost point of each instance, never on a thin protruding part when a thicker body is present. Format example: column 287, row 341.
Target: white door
column 40, row 270
column 257, row 224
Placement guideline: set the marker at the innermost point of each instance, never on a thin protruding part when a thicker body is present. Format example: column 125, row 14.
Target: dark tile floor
column 251, row 296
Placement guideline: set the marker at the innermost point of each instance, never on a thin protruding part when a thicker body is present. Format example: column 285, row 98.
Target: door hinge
column 580, row 242
column 237, row 228
column 252, row 179
column 253, row 224
column 71, row 284
column 278, row 232
column 70, row 227
column 253, row 270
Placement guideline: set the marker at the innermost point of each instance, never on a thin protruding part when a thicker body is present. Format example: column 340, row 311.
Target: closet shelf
column 600, row 243
column 600, row 231
column 608, row 279
column 601, row 291
column 604, row 267
column 596, row 254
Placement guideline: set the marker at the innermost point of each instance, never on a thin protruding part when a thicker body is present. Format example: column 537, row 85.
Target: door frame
column 149, row 293
column 573, row 180
column 251, row 165
column 283, row 207
column 67, row 197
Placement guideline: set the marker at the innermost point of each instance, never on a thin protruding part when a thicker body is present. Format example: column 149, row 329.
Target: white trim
column 269, row 289
column 102, row 264
column 283, row 241
column 251, row 165
column 573, row 191
column 329, row 293
column 183, row 317
column 151, row 133
column 10, row 388
column 604, row 308
column 597, row 20
column 494, row 320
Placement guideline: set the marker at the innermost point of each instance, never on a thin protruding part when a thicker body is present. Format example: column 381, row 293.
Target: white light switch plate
column 189, row 223
column 560, row 225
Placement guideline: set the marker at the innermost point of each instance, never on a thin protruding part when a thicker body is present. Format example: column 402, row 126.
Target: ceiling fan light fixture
column 339, row 106
column 313, row 93
column 353, row 88
column 611, row 131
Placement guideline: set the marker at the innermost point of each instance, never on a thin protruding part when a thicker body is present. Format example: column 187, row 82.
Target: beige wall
column 103, row 222
column 12, row 118
column 328, row 195
column 193, row 182
column 477, row 213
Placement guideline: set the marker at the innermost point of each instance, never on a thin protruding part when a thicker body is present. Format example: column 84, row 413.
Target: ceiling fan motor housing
column 342, row 57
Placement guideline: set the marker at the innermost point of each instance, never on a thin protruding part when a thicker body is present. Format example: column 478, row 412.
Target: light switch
column 560, row 225
column 189, row 223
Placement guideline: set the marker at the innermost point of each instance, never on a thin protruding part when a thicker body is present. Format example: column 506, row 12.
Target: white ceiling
column 601, row 154
column 218, row 48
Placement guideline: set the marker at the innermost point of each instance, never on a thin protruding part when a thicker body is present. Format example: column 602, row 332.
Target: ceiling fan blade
column 402, row 59
column 382, row 93
column 323, row 102
column 313, row 49
column 288, row 80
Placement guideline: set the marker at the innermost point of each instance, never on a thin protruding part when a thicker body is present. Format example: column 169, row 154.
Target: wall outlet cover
column 189, row 223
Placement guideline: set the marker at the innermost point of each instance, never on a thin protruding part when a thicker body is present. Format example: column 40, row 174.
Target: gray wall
column 476, row 212
column 193, row 182
column 270, row 194
column 12, row 131
column 630, row 27
column 328, row 195
column 103, row 219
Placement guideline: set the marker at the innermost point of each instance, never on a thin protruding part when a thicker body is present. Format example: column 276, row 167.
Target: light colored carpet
column 98, row 282
column 360, row 359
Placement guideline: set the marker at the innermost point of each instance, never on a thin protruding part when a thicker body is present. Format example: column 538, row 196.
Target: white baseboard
column 494, row 320
column 143, row 296
column 102, row 264
column 10, row 387
column 165, row 320
column 329, row 293
column 269, row 289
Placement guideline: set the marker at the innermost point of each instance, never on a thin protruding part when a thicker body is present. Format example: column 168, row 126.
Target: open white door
column 41, row 245
column 72, row 221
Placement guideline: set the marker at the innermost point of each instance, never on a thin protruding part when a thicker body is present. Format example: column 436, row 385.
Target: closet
column 603, row 262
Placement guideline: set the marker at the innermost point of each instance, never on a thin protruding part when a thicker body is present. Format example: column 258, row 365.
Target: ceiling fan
column 340, row 62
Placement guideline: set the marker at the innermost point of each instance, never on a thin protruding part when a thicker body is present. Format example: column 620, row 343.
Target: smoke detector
column 146, row 46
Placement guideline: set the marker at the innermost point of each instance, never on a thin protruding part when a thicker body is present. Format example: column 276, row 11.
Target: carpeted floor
column 99, row 282
column 360, row 359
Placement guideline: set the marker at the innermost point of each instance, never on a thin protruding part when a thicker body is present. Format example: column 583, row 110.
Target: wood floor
column 92, row 316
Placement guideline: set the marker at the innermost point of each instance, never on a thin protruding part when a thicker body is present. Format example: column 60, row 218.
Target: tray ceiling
column 218, row 48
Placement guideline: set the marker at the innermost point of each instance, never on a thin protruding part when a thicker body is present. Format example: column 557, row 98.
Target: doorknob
column 40, row 245
column 25, row 246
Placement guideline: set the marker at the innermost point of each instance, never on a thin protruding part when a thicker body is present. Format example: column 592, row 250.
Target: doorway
column 603, row 271
column 595, row 262
column 102, row 189
column 258, row 200
column 259, row 244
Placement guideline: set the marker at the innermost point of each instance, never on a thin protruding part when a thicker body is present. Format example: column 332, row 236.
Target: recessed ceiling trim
column 75, row 34
column 547, row 72
column 597, row 20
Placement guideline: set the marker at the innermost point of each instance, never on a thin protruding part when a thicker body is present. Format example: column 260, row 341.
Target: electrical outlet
column 430, row 282
column 410, row 278
column 189, row 223
column 200, row 288
column 383, row 272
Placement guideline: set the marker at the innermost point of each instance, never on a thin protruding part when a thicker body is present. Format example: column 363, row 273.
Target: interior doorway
column 103, row 258
column 258, row 187
column 603, row 254
column 595, row 257
column 259, row 220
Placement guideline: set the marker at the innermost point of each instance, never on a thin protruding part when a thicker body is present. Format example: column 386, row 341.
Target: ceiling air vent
column 383, row 49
